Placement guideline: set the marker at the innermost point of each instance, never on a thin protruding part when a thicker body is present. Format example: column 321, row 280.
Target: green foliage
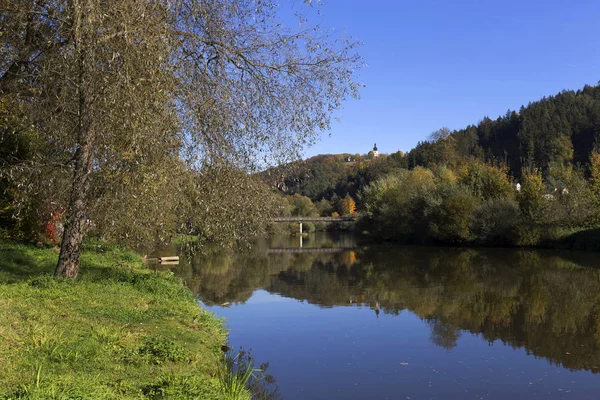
column 595, row 182
column 531, row 197
column 486, row 182
column 557, row 129
column 477, row 204
column 494, row 221
column 302, row 206
column 396, row 204
column 595, row 171
column 450, row 214
column 573, row 204
column 444, row 175
column 21, row 217
column 324, row 207
column 332, row 176
column 473, row 175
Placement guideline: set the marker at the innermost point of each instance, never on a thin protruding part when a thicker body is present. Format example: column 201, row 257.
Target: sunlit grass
column 236, row 376
column 119, row 331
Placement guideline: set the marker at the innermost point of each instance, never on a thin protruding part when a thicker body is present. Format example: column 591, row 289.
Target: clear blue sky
column 450, row 63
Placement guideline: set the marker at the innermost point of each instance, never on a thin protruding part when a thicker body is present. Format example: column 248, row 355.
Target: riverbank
column 552, row 239
column 118, row 331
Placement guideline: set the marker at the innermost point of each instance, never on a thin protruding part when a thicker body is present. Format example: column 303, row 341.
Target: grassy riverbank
column 119, row 331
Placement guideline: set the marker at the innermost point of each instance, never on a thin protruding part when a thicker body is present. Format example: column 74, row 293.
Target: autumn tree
column 531, row 200
column 347, row 206
column 125, row 101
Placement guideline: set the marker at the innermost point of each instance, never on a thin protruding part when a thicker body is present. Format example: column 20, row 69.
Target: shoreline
column 579, row 240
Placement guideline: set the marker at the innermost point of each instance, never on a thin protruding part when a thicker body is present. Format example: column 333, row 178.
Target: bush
column 395, row 203
column 527, row 234
column 531, row 200
column 494, row 221
column 449, row 217
column 573, row 205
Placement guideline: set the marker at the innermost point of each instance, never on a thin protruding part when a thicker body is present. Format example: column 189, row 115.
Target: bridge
column 310, row 250
column 313, row 219
column 300, row 220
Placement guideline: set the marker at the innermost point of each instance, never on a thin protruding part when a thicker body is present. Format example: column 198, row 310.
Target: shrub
column 531, row 202
column 494, row 221
column 574, row 205
column 527, row 234
column 450, row 215
column 395, row 203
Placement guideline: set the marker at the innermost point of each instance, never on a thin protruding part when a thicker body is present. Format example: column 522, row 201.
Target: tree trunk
column 70, row 249
column 68, row 260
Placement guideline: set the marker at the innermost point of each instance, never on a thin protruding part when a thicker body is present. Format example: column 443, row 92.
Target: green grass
column 588, row 239
column 118, row 331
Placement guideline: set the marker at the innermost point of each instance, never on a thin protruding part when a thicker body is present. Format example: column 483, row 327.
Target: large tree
column 125, row 99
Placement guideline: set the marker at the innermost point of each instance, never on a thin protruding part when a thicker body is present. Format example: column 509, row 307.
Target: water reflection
column 547, row 303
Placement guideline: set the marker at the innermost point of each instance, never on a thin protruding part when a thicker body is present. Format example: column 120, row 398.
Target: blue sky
column 432, row 64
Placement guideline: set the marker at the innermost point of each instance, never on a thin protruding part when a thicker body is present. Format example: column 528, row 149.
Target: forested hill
column 563, row 128
column 332, row 175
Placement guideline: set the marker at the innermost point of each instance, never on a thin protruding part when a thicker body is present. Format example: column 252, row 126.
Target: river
column 402, row 322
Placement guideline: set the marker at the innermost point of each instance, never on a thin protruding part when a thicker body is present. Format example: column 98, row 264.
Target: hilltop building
column 375, row 152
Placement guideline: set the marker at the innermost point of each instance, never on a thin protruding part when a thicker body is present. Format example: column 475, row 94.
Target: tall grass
column 236, row 376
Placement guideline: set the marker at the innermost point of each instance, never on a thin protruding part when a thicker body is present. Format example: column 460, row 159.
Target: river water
column 399, row 322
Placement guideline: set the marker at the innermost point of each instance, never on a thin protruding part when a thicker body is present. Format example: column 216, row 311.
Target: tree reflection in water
column 547, row 302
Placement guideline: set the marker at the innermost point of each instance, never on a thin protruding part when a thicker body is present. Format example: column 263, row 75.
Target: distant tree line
column 483, row 204
column 563, row 129
column 530, row 177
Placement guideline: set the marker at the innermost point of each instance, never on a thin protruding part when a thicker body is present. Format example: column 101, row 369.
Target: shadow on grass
column 583, row 240
column 20, row 262
column 108, row 266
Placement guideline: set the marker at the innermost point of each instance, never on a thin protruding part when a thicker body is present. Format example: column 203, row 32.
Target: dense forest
column 530, row 177
column 564, row 129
